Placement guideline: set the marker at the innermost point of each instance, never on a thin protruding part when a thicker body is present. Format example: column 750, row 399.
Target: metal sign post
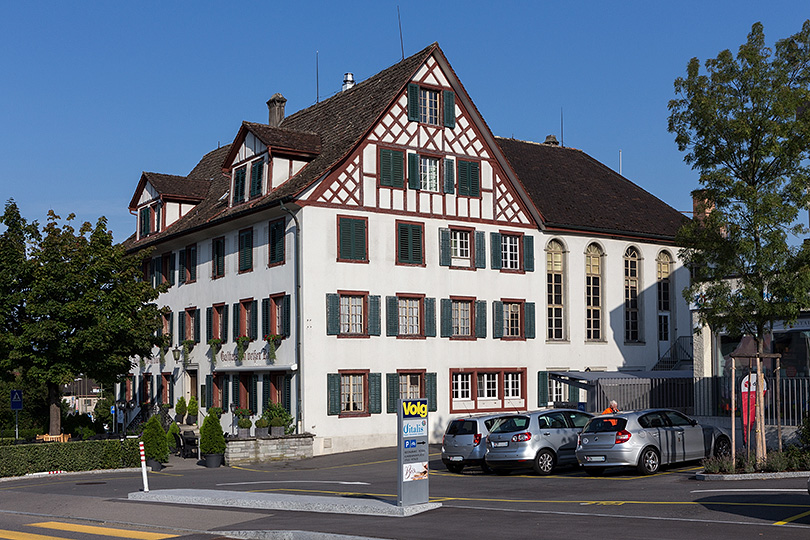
column 16, row 406
column 412, row 458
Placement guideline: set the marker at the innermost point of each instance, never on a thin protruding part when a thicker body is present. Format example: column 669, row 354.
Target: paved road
column 568, row 504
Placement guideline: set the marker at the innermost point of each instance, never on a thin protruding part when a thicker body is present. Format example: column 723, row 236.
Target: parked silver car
column 464, row 442
column 646, row 440
column 540, row 440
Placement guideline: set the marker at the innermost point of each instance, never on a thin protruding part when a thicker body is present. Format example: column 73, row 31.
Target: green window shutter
column 246, row 250
column 191, row 263
column 446, row 323
column 332, row 314
column 172, row 261
column 480, row 318
column 285, row 315
column 392, row 391
column 254, row 320
column 181, row 327
column 239, row 186
column 158, row 389
column 345, row 235
column 374, row 324
column 253, row 402
column 209, row 391
column 463, row 178
column 480, row 250
column 265, row 316
column 430, row 317
column 219, row 256
column 542, row 389
column 236, row 321
column 403, row 243
column 495, row 250
column 196, row 325
column 225, row 393
column 386, row 177
column 265, row 391
column 391, row 316
column 352, row 239
column 497, row 319
column 256, row 169
column 181, row 277
column 276, row 242
column 414, row 182
column 431, row 392
column 413, row 102
column 416, row 239
column 397, row 169
column 209, row 324
column 171, row 328
column 375, row 393
column 444, row 247
column 144, row 221
column 236, row 389
column 573, row 394
column 332, row 393
column 449, row 176
column 475, row 179
column 171, row 390
column 528, row 253
column 288, row 393
column 528, row 309
column 449, row 109
column 223, row 324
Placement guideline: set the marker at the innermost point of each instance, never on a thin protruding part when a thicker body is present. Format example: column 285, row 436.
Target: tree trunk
column 54, row 400
column 760, row 406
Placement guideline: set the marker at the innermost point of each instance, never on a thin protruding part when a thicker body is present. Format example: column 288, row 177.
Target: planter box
column 288, row 448
column 261, row 431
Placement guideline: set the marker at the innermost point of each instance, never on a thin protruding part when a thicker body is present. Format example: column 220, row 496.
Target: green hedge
column 21, row 459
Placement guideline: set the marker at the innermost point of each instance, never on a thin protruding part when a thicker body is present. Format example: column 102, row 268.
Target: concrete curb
column 279, row 501
column 752, row 476
column 72, row 473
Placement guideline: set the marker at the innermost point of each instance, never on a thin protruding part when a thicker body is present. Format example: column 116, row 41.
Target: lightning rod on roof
column 401, row 43
column 317, row 89
column 562, row 132
column 620, row 161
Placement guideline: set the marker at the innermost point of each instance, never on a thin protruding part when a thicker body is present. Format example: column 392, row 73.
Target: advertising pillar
column 412, row 458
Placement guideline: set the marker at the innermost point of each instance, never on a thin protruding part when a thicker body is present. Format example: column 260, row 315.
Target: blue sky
column 94, row 93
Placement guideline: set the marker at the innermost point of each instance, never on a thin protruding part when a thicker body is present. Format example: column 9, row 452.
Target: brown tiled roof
column 574, row 191
column 285, row 139
column 169, row 185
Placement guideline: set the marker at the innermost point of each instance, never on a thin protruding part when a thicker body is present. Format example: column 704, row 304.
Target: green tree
column 212, row 439
column 155, row 445
column 745, row 127
column 85, row 309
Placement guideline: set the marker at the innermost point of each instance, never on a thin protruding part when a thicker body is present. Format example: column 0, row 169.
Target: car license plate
column 498, row 444
column 456, row 458
column 594, row 458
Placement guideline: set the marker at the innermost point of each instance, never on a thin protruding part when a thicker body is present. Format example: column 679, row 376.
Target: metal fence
column 644, row 393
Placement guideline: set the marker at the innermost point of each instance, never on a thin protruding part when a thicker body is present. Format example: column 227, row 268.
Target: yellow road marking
column 104, row 531
column 14, row 535
column 794, row 518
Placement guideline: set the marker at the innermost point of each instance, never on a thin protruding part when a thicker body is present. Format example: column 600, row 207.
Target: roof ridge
column 544, row 145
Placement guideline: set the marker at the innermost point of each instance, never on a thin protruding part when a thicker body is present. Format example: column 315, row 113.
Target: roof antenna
column 620, row 161
column 401, row 44
column 562, row 133
column 317, row 82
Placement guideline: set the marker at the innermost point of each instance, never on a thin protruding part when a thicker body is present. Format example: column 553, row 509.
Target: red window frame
column 364, row 295
column 354, row 414
column 474, row 390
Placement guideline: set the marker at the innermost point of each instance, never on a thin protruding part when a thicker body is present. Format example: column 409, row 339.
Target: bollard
column 143, row 469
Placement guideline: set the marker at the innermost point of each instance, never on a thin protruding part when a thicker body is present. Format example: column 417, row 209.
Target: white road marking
column 296, row 482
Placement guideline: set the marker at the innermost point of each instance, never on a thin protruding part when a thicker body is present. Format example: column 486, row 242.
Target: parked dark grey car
column 540, row 440
column 464, row 442
column 646, row 440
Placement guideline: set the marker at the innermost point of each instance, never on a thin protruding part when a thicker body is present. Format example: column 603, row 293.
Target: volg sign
column 412, row 441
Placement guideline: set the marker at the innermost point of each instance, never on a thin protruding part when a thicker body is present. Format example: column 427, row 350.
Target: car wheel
column 722, row 447
column 454, row 468
column 544, row 462
column 649, row 461
column 595, row 471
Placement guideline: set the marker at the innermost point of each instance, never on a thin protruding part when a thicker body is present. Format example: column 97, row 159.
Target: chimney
column 275, row 105
column 551, row 140
column 348, row 81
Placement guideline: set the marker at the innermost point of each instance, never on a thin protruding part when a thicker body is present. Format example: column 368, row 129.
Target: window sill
column 353, row 336
column 272, row 264
column 512, row 271
column 358, row 414
column 635, row 343
column 355, row 261
column 463, row 338
column 411, row 336
column 453, row 267
column 558, row 341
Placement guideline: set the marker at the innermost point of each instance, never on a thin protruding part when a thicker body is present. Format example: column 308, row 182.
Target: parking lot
column 669, row 504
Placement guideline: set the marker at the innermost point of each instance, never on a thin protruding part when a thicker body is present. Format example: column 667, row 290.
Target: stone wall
column 264, row 449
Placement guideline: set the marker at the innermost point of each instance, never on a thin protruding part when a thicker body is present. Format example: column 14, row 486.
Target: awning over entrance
column 257, row 368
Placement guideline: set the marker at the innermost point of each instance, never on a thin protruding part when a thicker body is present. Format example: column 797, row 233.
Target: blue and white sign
column 414, row 428
column 16, row 400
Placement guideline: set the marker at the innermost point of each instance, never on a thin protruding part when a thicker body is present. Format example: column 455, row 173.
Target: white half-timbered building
column 383, row 243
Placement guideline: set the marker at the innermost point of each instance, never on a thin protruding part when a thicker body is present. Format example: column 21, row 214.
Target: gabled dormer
column 264, row 156
column 162, row 199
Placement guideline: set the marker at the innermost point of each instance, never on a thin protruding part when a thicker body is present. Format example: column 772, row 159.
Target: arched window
column 664, row 265
column 555, row 299
column 632, row 286
column 593, row 293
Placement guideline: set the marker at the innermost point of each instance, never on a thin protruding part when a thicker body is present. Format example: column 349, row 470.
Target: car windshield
column 462, row 427
column 605, row 424
column 512, row 423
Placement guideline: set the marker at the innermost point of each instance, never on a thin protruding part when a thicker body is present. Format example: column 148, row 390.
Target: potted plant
column 180, row 409
column 188, row 345
column 170, row 440
column 275, row 411
column 212, row 440
column 243, row 423
column 242, row 343
column 262, row 427
column 155, row 447
column 273, row 341
column 193, row 409
column 215, row 344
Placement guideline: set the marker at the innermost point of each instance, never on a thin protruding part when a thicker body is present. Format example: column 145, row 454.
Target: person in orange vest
column 613, row 408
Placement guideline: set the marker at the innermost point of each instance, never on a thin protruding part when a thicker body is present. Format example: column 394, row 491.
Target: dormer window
column 239, row 185
column 149, row 220
column 256, row 178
